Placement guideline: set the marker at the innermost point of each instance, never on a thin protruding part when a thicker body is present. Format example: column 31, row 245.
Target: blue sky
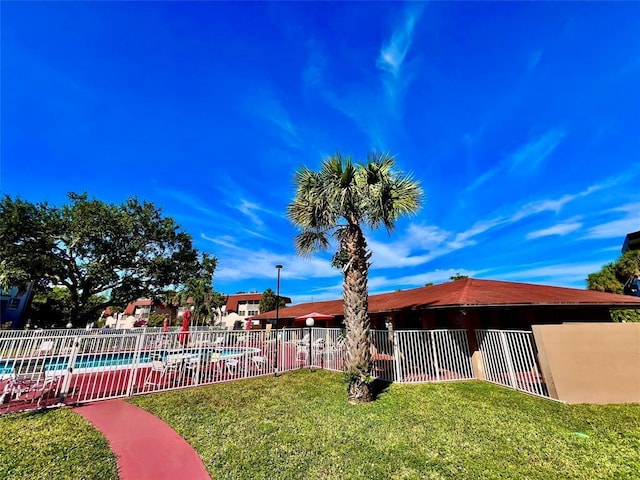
column 521, row 120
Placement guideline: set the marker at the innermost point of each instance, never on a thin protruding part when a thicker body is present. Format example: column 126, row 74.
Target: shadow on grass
column 378, row 387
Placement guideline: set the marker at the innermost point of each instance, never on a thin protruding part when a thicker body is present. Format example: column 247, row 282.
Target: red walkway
column 146, row 447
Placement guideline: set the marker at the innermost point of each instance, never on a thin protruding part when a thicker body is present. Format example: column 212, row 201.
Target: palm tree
column 339, row 200
column 171, row 299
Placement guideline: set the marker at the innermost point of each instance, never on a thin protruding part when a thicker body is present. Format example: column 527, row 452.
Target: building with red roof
column 471, row 303
column 242, row 306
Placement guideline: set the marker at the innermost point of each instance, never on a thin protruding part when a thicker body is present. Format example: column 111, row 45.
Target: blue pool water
column 101, row 360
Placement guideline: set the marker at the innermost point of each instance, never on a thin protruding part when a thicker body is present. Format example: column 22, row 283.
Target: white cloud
column 380, row 284
column 223, row 240
column 484, row 178
column 530, row 155
column 427, row 236
column 620, row 227
column 560, row 229
column 525, row 158
column 392, row 58
column 562, row 274
column 241, row 263
column 266, row 105
column 249, row 209
column 393, row 53
column 554, row 205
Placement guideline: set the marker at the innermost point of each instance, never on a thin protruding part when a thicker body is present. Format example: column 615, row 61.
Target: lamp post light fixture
column 278, row 267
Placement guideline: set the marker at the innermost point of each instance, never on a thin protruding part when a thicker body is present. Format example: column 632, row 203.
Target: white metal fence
column 432, row 356
column 38, row 370
column 509, row 358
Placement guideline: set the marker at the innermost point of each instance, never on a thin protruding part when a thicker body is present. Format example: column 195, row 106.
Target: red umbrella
column 249, row 320
column 184, row 333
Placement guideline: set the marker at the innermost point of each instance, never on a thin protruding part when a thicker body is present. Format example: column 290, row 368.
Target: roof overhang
column 631, row 242
column 466, row 306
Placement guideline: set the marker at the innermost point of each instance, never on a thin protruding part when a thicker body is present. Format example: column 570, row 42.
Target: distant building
column 631, row 242
column 136, row 313
column 242, row 306
column 236, row 311
column 14, row 305
column 140, row 309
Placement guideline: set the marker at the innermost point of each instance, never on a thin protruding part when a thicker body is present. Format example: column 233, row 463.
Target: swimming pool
column 87, row 362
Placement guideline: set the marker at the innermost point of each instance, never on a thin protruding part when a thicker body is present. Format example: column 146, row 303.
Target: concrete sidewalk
column 145, row 446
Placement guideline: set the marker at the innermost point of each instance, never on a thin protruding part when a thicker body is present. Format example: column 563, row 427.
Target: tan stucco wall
column 590, row 362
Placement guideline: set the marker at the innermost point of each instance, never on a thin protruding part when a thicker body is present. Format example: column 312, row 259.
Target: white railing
column 74, row 332
column 39, row 371
column 509, row 358
column 42, row 371
column 432, row 356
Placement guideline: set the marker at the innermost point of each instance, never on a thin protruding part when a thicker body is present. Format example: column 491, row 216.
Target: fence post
column 434, row 352
column 509, row 361
column 275, row 352
column 136, row 361
column 477, row 362
column 75, row 348
column 396, row 357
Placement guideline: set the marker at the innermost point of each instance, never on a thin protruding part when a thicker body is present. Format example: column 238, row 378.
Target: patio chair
column 45, row 348
column 160, row 368
column 337, row 349
column 302, row 352
column 216, row 361
column 191, row 369
column 259, row 362
column 232, row 366
column 30, row 384
column 40, row 390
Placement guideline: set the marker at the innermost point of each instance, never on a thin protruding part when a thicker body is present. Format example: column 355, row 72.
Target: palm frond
column 311, row 241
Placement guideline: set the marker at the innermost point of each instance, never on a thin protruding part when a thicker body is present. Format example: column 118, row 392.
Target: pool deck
column 145, row 446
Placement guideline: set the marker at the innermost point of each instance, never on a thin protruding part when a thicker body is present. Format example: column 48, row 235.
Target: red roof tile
column 131, row 308
column 233, row 300
column 470, row 293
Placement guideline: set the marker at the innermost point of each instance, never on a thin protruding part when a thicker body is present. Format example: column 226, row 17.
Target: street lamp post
column 310, row 321
column 278, row 267
column 275, row 362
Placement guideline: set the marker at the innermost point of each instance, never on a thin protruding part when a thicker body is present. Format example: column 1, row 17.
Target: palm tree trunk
column 356, row 306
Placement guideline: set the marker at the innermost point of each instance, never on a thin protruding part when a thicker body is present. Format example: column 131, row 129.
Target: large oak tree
column 92, row 248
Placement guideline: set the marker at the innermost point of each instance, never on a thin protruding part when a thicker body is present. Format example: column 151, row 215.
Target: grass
column 299, row 426
column 53, row 444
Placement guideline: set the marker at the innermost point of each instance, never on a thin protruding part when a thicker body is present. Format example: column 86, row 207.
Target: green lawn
column 53, row 445
column 299, row 426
